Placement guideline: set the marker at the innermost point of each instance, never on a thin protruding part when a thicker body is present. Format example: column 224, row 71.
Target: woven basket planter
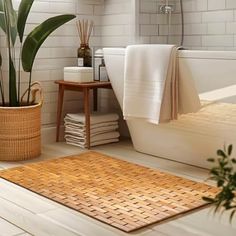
column 20, row 132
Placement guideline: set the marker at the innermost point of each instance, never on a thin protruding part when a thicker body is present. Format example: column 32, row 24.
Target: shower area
column 168, row 9
column 194, row 24
column 160, row 21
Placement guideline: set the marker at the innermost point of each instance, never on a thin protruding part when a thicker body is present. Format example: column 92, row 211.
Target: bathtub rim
column 195, row 54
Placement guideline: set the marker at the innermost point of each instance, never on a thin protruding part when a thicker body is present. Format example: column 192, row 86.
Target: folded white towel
column 151, row 85
column 98, row 137
column 94, row 131
column 82, row 126
column 94, row 139
column 95, row 118
column 93, row 144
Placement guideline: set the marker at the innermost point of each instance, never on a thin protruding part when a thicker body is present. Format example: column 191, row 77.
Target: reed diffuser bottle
column 84, row 53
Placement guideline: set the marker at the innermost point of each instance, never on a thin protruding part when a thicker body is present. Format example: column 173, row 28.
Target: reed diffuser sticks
column 85, row 28
column 84, row 53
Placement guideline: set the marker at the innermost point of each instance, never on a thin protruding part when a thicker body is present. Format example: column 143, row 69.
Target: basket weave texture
column 20, row 135
column 122, row 194
column 20, row 129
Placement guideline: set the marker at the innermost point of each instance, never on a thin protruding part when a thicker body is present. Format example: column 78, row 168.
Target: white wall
column 60, row 50
column 209, row 24
column 151, row 22
column 117, row 27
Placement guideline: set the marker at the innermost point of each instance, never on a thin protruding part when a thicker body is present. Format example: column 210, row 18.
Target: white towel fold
column 152, row 86
column 82, row 126
column 102, row 129
column 105, row 137
column 94, row 131
column 93, row 144
column 95, row 118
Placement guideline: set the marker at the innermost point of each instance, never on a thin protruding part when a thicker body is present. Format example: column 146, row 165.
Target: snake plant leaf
column 36, row 38
column 11, row 17
column 0, row 59
column 12, row 86
column 23, row 13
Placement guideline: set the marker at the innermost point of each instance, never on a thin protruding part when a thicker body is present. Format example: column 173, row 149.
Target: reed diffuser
column 85, row 28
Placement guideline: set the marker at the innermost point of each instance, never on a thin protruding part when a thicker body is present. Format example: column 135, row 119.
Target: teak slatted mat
column 121, row 194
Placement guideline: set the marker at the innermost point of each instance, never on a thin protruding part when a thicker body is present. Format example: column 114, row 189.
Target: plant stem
column 1, row 81
column 29, row 88
column 19, row 75
column 7, row 22
column 13, row 102
column 8, row 43
column 2, row 88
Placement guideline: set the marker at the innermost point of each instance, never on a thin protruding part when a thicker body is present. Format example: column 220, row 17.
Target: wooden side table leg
column 95, row 99
column 87, row 115
column 59, row 110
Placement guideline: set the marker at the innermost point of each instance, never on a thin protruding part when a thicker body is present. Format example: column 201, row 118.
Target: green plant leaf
column 1, row 82
column 214, row 171
column 230, row 149
column 209, row 200
column 23, row 13
column 211, row 160
column 221, row 153
column 2, row 17
column 12, row 84
column 232, row 215
column 11, row 16
column 224, row 175
column 36, row 38
column 220, row 183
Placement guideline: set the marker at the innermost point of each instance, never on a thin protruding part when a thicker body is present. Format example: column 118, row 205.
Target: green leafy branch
column 224, row 175
column 13, row 25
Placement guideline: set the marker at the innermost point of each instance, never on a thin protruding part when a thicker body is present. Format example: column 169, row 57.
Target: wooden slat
column 124, row 195
column 74, row 85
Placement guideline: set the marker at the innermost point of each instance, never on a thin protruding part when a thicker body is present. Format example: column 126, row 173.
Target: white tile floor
column 25, row 213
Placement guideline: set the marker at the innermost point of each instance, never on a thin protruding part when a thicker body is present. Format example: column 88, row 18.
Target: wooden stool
column 81, row 87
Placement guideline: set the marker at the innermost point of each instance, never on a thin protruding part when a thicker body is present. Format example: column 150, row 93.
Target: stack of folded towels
column 103, row 129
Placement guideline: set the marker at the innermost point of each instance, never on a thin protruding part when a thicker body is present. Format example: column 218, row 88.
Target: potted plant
column 20, row 121
column 224, row 174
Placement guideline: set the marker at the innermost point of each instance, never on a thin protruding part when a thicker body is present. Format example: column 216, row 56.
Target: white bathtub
column 195, row 137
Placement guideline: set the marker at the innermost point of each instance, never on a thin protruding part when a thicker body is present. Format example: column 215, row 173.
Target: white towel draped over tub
column 153, row 90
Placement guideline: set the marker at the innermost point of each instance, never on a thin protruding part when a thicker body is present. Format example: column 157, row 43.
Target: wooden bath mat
column 121, row 194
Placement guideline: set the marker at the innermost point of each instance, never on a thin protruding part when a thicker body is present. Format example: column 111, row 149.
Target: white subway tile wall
column 209, row 24
column 117, row 28
column 217, row 18
column 152, row 24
